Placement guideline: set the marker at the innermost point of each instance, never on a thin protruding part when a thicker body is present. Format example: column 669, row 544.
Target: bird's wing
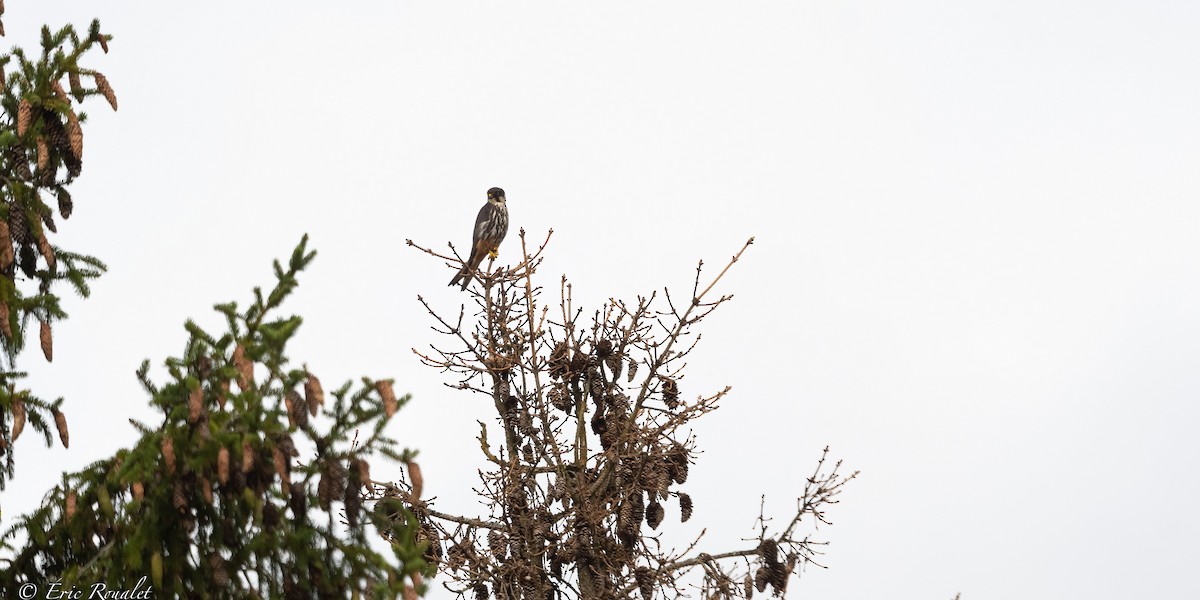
column 481, row 221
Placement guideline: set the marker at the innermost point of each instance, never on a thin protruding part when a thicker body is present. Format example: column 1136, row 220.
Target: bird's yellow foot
column 494, row 254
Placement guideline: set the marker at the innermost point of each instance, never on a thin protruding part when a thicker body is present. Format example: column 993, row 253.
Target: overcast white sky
column 977, row 274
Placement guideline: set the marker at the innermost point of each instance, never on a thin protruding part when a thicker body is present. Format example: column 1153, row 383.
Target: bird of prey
column 490, row 227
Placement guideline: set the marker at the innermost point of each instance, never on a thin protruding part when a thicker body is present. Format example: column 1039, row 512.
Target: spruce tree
column 256, row 484
column 252, row 486
column 41, row 154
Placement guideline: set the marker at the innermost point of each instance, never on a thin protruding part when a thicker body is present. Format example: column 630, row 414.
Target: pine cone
column 19, row 163
column 497, row 544
column 625, row 522
column 313, row 394
column 297, row 409
column 18, row 408
column 664, row 482
column 76, row 87
column 760, row 578
column 614, row 364
column 56, row 134
column 364, row 470
column 597, row 385
column 223, row 465
column 525, row 424
column 748, row 587
column 65, row 204
column 206, row 490
column 429, row 535
column 604, row 349
column 670, row 391
column 648, row 478
column 638, row 509
column 138, row 490
column 481, row 591
column 75, row 135
column 7, row 257
column 179, row 496
column 282, row 468
column 645, row 582
column 24, row 117
column 47, row 340
column 633, row 367
column 244, row 367
column 558, row 361
column 579, row 362
column 43, row 153
column 334, row 473
column 654, row 514
column 46, row 178
column 195, row 404
column 560, row 400
column 70, row 504
column 247, row 457
column 768, row 550
column 418, row 480
column 678, row 461
column 168, row 453
column 60, row 421
column 389, row 397
column 105, row 90
column 685, row 507
column 777, row 574
column 28, row 261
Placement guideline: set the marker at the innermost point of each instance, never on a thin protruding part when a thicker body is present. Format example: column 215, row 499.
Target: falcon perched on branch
column 490, row 227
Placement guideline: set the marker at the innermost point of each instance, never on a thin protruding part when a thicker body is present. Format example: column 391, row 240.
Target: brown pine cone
column 47, row 339
column 24, row 117
column 105, row 90
column 65, row 204
column 76, row 87
column 60, row 421
column 18, row 162
column 313, row 393
column 168, row 454
column 247, row 457
column 390, row 403
column 223, row 465
column 28, row 261
column 654, row 514
column 18, row 409
column 74, row 135
column 685, row 507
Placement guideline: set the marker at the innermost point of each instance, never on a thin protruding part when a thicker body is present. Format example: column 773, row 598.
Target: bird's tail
column 463, row 275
